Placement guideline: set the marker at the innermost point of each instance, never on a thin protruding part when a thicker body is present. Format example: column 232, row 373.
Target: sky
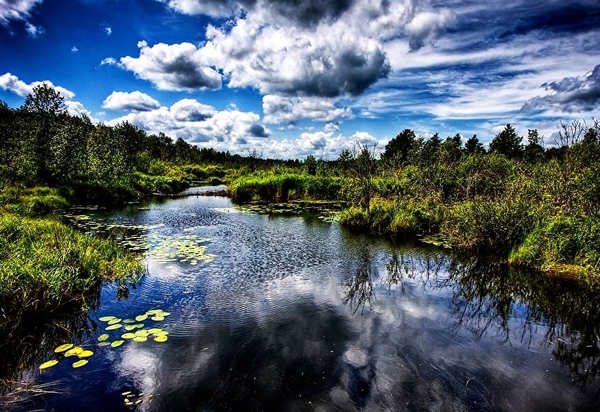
column 289, row 78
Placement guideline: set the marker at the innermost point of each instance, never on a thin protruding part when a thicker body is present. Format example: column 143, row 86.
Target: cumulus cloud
column 289, row 110
column 199, row 123
column 13, row 84
column 33, row 31
column 571, row 94
column 109, row 61
column 426, row 25
column 134, row 101
column 16, row 10
column 175, row 67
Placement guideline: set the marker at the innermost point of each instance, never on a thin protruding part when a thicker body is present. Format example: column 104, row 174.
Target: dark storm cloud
column 309, row 12
column 347, row 72
column 258, row 130
column 569, row 94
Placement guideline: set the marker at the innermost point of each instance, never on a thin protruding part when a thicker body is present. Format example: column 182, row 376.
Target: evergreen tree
column 508, row 143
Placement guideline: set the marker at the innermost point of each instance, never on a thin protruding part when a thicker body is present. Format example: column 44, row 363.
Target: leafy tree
column 344, row 161
column 591, row 136
column 451, row 149
column 508, row 143
column 310, row 165
column 397, row 151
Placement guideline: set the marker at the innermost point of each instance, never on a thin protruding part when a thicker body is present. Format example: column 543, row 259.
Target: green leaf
column 48, row 364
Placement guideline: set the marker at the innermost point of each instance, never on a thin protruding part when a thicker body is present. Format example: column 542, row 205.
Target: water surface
column 291, row 313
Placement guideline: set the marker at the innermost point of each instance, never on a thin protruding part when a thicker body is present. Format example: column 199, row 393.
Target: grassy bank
column 44, row 264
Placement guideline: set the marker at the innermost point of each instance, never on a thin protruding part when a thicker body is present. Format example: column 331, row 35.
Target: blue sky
column 295, row 77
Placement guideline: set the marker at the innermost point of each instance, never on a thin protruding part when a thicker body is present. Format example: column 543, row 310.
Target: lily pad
column 129, row 321
column 161, row 338
column 141, row 318
column 114, row 321
column 107, row 318
column 63, row 347
column 80, row 363
column 128, row 335
column 130, row 327
column 102, row 344
column 142, row 332
column 113, row 327
column 157, row 318
column 140, row 339
column 74, row 351
column 117, row 343
column 48, row 364
column 85, row 354
column 102, row 337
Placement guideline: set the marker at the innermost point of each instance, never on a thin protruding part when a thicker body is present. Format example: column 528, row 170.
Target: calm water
column 296, row 314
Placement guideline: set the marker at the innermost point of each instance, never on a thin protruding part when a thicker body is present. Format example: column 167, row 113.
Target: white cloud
column 426, row 25
column 109, row 61
column 108, row 30
column 175, row 67
column 134, row 101
column 16, row 10
column 13, row 84
column 280, row 109
column 74, row 49
column 33, row 31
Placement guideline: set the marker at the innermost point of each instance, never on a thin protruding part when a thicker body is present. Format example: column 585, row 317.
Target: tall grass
column 281, row 187
column 45, row 264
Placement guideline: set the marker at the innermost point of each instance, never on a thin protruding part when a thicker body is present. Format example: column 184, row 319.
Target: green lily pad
column 129, row 321
column 80, row 363
column 63, row 347
column 140, row 339
column 107, row 318
column 157, row 318
column 117, row 343
column 130, row 327
column 102, row 337
column 141, row 318
column 85, row 354
column 128, row 335
column 48, row 364
column 102, row 344
column 142, row 332
column 161, row 338
column 114, row 321
column 74, row 351
column 113, row 327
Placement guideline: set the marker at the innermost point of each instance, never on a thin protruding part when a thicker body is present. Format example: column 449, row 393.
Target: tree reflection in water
column 491, row 298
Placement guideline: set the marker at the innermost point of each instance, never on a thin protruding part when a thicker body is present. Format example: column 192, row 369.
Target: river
column 271, row 313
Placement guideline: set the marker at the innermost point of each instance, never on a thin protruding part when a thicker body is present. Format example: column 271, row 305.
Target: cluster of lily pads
column 327, row 210
column 130, row 325
column 69, row 350
column 436, row 240
column 184, row 249
column 131, row 399
column 133, row 330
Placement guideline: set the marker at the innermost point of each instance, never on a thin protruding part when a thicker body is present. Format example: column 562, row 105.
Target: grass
column 45, row 264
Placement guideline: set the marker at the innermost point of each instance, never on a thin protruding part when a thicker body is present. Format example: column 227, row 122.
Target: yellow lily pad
column 113, row 327
column 161, row 338
column 117, row 343
column 126, row 393
column 114, row 321
column 85, row 354
column 153, row 331
column 63, row 347
column 157, row 318
column 106, row 318
column 140, row 339
column 130, row 327
column 141, row 318
column 142, row 332
column 128, row 335
column 139, row 325
column 74, row 351
column 153, row 312
column 48, row 364
column 102, row 337
column 80, row 363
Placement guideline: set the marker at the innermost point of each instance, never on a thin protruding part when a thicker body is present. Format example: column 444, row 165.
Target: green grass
column 45, row 264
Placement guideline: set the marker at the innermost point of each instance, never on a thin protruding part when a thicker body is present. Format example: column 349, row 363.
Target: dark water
column 296, row 314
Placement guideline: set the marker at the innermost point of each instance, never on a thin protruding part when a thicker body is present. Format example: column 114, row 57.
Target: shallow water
column 291, row 313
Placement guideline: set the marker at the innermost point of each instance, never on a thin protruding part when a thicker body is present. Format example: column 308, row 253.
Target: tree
column 508, row 143
column 474, row 146
column 365, row 166
column 533, row 150
column 310, row 165
column 44, row 110
column 397, row 151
